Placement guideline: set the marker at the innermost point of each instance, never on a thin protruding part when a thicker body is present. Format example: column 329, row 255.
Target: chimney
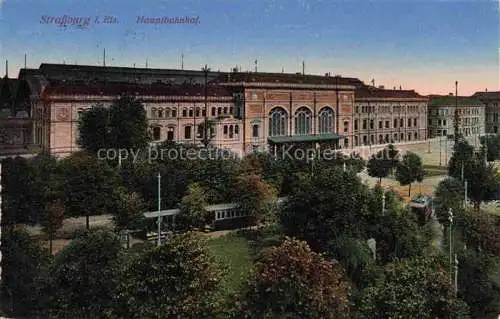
column 400, row 88
column 486, row 90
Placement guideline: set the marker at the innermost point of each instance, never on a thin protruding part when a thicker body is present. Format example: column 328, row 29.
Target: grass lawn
column 234, row 251
column 434, row 172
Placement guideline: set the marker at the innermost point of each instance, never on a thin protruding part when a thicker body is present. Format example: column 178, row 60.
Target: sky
column 424, row 45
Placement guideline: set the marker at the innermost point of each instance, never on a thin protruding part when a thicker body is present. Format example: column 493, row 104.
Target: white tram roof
column 209, row 208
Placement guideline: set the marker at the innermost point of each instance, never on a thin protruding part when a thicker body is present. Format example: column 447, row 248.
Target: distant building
column 491, row 101
column 16, row 126
column 250, row 111
column 441, row 116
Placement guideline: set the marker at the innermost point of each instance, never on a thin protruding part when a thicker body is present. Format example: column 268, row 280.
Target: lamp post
column 456, row 275
column 383, row 202
column 450, row 219
column 159, row 209
column 465, row 188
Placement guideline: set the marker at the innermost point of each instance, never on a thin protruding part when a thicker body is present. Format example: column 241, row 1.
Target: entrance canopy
column 328, row 137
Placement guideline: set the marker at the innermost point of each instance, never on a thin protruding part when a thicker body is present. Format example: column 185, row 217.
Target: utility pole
column 462, row 174
column 182, row 61
column 450, row 219
column 456, row 118
column 207, row 129
column 456, row 275
column 159, row 209
column 104, row 57
column 1, row 223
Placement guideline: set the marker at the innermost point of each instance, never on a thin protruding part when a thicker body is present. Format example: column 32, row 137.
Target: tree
column 53, row 219
column 382, row 163
column 129, row 212
column 291, row 281
column 83, row 276
column 449, row 194
column 410, row 170
column 412, row 288
column 493, row 143
column 482, row 178
column 192, row 206
column 179, row 279
column 90, row 185
column 22, row 259
column 19, row 192
column 94, row 129
column 256, row 197
column 326, row 206
column 128, row 124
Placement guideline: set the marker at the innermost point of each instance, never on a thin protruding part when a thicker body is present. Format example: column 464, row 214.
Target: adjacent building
column 16, row 126
column 491, row 101
column 442, row 111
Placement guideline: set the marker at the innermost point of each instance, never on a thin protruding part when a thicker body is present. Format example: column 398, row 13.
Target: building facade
column 247, row 111
column 491, row 101
column 470, row 114
column 389, row 116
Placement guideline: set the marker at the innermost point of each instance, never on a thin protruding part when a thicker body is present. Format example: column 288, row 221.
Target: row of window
column 278, row 121
column 386, row 124
column 229, row 214
column 387, row 109
column 229, row 131
column 387, row 138
column 189, row 112
column 446, row 111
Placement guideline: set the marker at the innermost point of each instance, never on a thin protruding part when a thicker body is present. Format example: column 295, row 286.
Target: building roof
column 449, row 100
column 70, row 72
column 261, row 77
column 114, row 89
column 487, row 95
column 303, row 138
column 373, row 92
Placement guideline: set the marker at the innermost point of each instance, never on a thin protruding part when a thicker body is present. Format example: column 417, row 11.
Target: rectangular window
column 213, row 111
column 187, row 132
column 409, row 122
column 356, row 122
column 386, row 124
column 255, row 130
column 372, row 124
column 414, row 122
column 346, row 126
column 379, row 124
column 364, row 124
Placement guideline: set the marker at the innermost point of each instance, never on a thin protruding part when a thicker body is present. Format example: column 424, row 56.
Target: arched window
column 153, row 113
column 168, row 112
column 303, row 121
column 219, row 110
column 160, row 113
column 278, row 120
column 326, row 121
column 174, row 112
column 231, row 131
column 236, row 129
column 184, row 112
column 156, row 133
column 190, row 112
column 198, row 112
column 170, row 133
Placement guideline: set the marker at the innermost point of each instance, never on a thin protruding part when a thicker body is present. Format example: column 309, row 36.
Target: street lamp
column 383, row 202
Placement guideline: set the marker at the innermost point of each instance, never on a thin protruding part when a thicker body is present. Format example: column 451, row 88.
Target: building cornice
column 289, row 86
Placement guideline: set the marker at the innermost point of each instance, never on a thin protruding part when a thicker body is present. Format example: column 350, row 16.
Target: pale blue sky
column 422, row 45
